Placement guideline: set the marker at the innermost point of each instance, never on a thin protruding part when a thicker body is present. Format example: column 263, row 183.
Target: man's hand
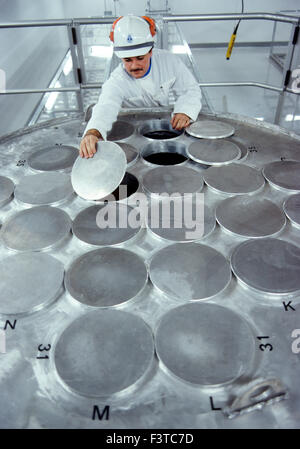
column 180, row 121
column 88, row 145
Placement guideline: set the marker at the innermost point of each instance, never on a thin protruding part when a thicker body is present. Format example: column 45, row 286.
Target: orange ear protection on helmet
column 151, row 25
column 111, row 34
column 150, row 22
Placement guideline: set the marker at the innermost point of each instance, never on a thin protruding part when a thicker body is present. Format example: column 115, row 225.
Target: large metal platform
column 61, row 368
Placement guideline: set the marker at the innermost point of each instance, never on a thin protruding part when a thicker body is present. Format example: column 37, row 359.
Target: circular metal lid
column 44, row 188
column 29, row 282
column 234, row 178
column 172, row 180
column 104, row 353
column 210, row 129
column 6, row 190
column 36, row 229
column 105, row 225
column 94, row 178
column 284, row 175
column 250, row 217
column 291, row 208
column 120, row 130
column 131, row 153
column 106, row 277
column 56, row 157
column 268, row 265
column 179, row 228
column 190, row 271
column 205, row 344
column 214, row 152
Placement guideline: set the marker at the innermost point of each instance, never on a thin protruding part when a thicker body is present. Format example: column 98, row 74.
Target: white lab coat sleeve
column 187, row 91
column 105, row 112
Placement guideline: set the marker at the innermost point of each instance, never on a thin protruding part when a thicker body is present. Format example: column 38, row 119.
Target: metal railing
column 73, row 27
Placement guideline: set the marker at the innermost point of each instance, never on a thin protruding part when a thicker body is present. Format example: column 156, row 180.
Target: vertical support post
column 286, row 71
column 76, row 67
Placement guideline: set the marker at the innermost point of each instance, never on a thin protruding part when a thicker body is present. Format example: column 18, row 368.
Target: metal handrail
column 70, row 23
column 170, row 18
column 99, row 85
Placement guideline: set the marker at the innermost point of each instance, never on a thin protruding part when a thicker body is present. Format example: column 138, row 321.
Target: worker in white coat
column 146, row 77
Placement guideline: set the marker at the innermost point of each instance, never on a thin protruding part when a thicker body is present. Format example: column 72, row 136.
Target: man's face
column 137, row 66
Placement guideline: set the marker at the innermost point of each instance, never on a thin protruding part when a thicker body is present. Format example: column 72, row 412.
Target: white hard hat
column 132, row 36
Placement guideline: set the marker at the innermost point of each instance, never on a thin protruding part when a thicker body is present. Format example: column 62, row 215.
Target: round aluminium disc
column 36, row 229
column 214, row 152
column 120, row 130
column 268, row 265
column 6, row 190
column 250, row 217
column 29, row 282
column 284, row 175
column 237, row 179
column 189, row 271
column 104, row 353
column 44, row 188
column 291, row 208
column 131, row 153
column 205, row 344
column 55, row 157
column 105, row 225
column 244, row 148
column 181, row 228
column 106, row 277
column 172, row 180
column 210, row 129
column 94, row 178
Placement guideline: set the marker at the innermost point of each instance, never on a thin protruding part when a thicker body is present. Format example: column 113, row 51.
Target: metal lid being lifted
column 94, row 178
column 210, row 129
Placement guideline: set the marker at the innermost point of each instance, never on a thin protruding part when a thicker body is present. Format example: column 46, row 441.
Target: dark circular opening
column 129, row 185
column 159, row 130
column 164, row 153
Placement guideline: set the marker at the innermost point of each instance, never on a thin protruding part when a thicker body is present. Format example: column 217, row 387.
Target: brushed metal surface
column 172, row 180
column 44, row 188
column 36, row 229
column 106, row 277
column 214, row 152
column 29, row 282
column 250, row 217
column 177, row 229
column 237, row 179
column 56, row 157
column 210, row 129
column 32, row 393
column 131, row 153
column 105, row 225
column 285, row 175
column 189, row 271
column 120, row 130
column 94, row 178
column 268, row 265
column 6, row 190
column 291, row 207
column 205, row 344
column 114, row 353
